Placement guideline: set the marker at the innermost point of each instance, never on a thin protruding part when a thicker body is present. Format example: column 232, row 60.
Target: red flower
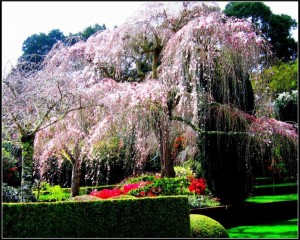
column 198, row 186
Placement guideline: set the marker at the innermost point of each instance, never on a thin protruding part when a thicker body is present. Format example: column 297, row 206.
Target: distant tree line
column 36, row 46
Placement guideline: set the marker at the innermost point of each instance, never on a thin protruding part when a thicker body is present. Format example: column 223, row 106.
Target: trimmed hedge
column 206, row 227
column 118, row 218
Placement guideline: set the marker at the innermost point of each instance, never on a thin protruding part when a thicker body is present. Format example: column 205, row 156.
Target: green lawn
column 276, row 185
column 272, row 198
column 280, row 229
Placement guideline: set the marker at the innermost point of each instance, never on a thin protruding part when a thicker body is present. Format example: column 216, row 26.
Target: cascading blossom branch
column 267, row 128
column 214, row 56
column 211, row 38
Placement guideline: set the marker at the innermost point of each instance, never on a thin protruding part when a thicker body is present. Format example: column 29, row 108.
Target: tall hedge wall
column 141, row 217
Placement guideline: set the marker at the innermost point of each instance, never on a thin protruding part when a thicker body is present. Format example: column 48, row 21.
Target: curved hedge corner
column 166, row 217
column 206, row 227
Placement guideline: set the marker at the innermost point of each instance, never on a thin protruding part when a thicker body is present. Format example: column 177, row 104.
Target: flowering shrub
column 125, row 189
column 107, row 193
column 178, row 145
column 10, row 162
column 286, row 106
column 131, row 186
column 198, row 186
column 266, row 128
column 158, row 186
column 286, row 97
column 179, row 142
column 171, row 186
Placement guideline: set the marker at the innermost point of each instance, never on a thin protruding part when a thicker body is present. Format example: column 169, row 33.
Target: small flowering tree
column 68, row 139
column 36, row 99
column 33, row 100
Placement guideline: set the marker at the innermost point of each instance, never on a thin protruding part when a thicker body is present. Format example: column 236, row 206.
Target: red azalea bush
column 198, row 186
column 109, row 193
column 106, row 193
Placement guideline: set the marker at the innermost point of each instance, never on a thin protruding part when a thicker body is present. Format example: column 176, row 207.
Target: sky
column 21, row 19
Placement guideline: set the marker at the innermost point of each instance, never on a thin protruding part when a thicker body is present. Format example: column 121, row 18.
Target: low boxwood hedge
column 166, row 216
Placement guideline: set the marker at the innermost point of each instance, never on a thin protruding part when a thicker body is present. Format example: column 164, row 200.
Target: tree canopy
column 37, row 46
column 88, row 31
column 275, row 28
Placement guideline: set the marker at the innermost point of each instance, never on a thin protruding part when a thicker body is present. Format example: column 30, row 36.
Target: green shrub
column 183, row 172
column 48, row 193
column 144, row 178
column 206, row 227
column 164, row 186
column 10, row 194
column 117, row 218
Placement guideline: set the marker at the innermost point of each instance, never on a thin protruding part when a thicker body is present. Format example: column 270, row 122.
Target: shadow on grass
column 280, row 229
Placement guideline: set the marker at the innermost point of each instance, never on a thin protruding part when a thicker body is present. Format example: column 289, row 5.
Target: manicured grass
column 276, row 185
column 272, row 198
column 280, row 229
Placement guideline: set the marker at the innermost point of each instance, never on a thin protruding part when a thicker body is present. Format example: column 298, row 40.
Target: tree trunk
column 161, row 129
column 75, row 183
column 167, row 161
column 27, row 143
column 156, row 53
